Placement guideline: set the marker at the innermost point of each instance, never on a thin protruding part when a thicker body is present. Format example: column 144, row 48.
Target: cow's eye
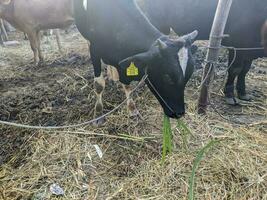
column 167, row 79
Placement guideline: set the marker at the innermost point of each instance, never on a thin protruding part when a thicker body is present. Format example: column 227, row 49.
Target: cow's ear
column 133, row 68
column 6, row 2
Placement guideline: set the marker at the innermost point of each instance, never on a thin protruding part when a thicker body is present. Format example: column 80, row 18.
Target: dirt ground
column 60, row 92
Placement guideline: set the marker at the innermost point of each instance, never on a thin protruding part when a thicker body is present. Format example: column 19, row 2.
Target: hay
column 131, row 168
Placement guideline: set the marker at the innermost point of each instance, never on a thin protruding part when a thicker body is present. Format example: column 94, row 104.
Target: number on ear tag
column 132, row 70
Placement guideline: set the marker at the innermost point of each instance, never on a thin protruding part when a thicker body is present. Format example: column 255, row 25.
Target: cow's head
column 169, row 65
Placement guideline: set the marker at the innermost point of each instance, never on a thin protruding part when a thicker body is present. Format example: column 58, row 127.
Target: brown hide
column 31, row 16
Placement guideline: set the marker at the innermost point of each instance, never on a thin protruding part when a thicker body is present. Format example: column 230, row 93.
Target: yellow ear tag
column 132, row 70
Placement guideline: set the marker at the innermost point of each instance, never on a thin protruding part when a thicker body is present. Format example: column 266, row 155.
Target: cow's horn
column 161, row 44
column 191, row 36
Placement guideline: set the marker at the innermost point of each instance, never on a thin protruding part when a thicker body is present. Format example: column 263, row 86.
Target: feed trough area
column 121, row 159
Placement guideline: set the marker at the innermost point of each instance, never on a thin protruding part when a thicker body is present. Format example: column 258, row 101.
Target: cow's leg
column 241, row 82
column 1, row 40
column 25, row 36
column 58, row 41
column 40, row 54
column 3, row 30
column 99, row 84
column 8, row 26
column 131, row 107
column 233, row 72
column 113, row 75
column 1, row 37
column 33, row 38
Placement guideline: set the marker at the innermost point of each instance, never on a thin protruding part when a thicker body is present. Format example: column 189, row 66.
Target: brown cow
column 264, row 37
column 33, row 16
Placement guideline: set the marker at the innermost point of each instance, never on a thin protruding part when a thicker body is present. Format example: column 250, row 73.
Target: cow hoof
column 136, row 115
column 245, row 97
column 41, row 63
column 232, row 101
column 41, row 60
column 34, row 63
column 99, row 122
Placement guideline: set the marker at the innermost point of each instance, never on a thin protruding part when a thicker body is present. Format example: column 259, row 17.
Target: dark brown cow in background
column 264, row 37
column 33, row 16
column 243, row 27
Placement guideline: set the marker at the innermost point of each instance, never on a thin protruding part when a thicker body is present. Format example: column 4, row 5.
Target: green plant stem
column 185, row 132
column 197, row 161
column 167, row 138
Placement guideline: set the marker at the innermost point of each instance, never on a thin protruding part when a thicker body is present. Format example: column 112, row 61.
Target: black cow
column 121, row 36
column 244, row 26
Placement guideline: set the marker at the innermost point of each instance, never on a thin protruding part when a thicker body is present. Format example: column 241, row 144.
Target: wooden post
column 216, row 37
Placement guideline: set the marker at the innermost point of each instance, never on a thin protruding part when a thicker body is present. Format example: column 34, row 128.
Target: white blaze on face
column 183, row 58
column 85, row 4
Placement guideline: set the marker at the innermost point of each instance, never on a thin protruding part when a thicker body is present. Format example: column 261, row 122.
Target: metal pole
column 215, row 40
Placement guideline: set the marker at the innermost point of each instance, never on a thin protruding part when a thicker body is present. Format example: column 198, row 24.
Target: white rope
column 229, row 66
column 243, row 49
column 75, row 125
column 117, row 107
column 233, row 48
